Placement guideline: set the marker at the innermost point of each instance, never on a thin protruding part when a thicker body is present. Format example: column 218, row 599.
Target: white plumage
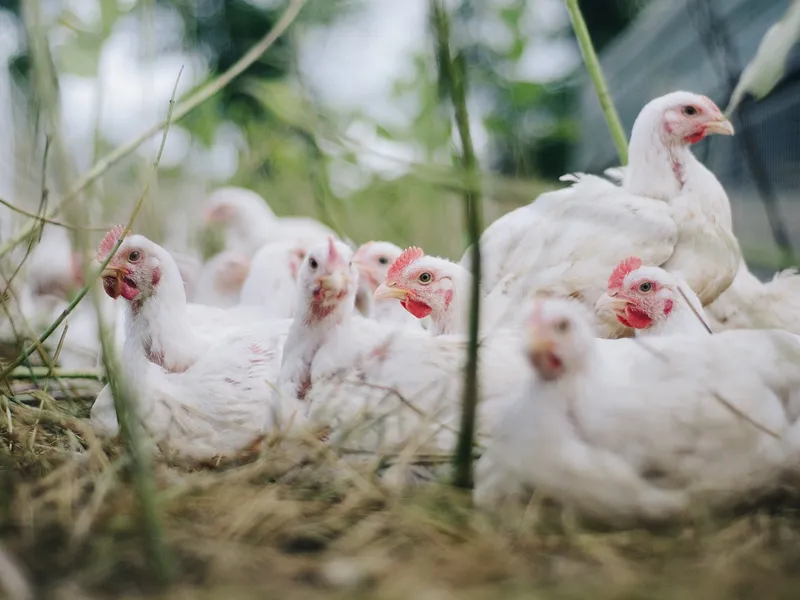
column 250, row 223
column 373, row 261
column 381, row 387
column 221, row 279
column 670, row 211
column 652, row 301
column 271, row 283
column 626, row 429
column 200, row 394
column 750, row 304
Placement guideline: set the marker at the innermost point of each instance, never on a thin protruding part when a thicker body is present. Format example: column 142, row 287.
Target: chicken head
column 687, row 118
column 134, row 272
column 373, row 261
column 423, row 284
column 328, row 278
column 559, row 337
column 639, row 295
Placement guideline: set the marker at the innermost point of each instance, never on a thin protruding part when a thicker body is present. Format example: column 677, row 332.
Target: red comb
column 108, row 242
column 408, row 256
column 331, row 248
column 622, row 269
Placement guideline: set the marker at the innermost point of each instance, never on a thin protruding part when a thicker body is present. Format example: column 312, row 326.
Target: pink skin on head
column 218, row 213
column 695, row 121
column 119, row 276
column 296, row 258
column 77, row 269
column 364, row 272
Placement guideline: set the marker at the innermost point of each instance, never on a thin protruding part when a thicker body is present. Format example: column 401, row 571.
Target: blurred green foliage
column 531, row 123
column 294, row 148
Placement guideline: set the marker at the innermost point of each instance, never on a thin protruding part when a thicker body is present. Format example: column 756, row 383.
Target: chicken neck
column 158, row 327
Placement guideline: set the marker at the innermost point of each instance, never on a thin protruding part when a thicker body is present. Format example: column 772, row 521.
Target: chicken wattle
column 652, row 301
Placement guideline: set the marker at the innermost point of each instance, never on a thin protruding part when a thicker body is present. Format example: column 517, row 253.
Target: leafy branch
column 184, row 108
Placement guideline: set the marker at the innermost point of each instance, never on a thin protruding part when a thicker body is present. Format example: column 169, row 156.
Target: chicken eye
column 425, row 277
column 134, row 256
column 689, row 111
column 383, row 260
column 562, row 326
column 645, row 287
column 312, row 262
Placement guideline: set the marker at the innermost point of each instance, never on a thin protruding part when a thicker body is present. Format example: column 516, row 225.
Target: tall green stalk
column 598, row 79
column 452, row 76
column 126, row 407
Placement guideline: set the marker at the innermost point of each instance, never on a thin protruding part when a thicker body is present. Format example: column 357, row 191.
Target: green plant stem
column 598, row 79
column 185, row 107
column 161, row 563
column 42, row 372
column 41, row 219
column 452, row 74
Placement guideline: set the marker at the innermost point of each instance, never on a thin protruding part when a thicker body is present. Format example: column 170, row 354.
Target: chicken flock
column 630, row 364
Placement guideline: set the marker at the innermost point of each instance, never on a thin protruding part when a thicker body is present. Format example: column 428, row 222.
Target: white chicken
column 652, row 301
column 197, row 398
column 670, row 211
column 374, row 261
column 271, row 283
column 250, row 223
column 53, row 268
column 627, row 429
column 380, row 387
column 750, row 304
column 437, row 289
column 222, row 278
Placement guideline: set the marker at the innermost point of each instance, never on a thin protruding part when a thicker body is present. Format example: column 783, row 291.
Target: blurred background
column 342, row 118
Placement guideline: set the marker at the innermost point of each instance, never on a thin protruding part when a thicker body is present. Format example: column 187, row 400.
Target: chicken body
column 250, row 223
column 221, row 279
column 750, row 304
column 625, row 429
column 380, row 387
column 271, row 283
column 200, row 394
column 670, row 211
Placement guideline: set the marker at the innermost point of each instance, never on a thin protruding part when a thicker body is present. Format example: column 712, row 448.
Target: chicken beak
column 386, row 291
column 540, row 348
column 112, row 281
column 110, row 271
column 720, row 125
column 333, row 282
column 610, row 302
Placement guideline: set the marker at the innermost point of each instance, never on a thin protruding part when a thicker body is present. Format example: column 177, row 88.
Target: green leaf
column 512, row 14
column 384, row 133
column 524, row 94
column 516, row 50
column 203, row 121
column 768, row 66
column 283, row 101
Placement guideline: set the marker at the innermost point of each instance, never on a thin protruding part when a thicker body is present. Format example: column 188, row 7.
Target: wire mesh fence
column 702, row 46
